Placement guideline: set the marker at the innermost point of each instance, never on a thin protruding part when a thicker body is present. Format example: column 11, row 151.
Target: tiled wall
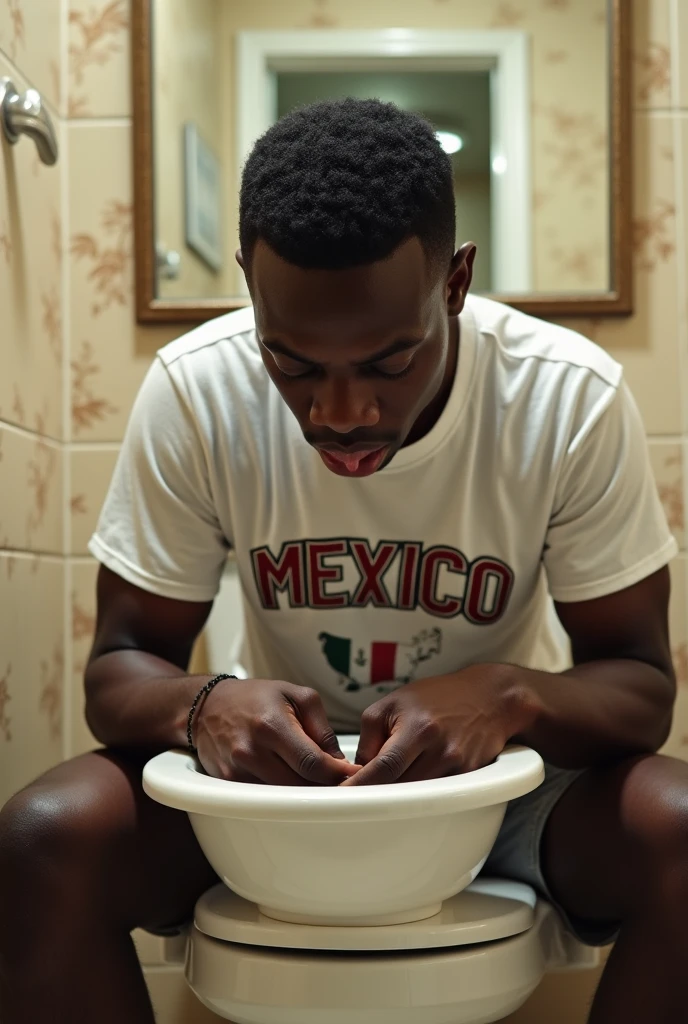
column 72, row 358
column 32, row 426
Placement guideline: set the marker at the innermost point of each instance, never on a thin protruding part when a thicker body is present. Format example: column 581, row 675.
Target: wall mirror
column 531, row 99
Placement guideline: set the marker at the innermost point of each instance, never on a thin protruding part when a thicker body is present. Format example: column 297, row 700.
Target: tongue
column 351, row 462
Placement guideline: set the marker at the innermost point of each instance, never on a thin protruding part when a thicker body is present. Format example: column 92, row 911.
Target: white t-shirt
column 533, row 484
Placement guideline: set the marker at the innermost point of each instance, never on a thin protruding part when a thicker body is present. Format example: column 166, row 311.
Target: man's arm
column 138, row 694
column 137, row 689
column 617, row 700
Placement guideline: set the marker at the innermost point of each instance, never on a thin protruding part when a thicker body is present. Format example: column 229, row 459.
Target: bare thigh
column 618, row 837
column 87, row 826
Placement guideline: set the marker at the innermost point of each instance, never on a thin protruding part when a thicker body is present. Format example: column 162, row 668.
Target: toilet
column 362, row 905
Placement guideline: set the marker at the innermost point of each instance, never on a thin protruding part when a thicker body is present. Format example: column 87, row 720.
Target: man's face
column 359, row 355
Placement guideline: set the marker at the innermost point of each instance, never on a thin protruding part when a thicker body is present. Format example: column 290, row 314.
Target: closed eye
column 393, row 374
column 376, row 371
column 304, row 371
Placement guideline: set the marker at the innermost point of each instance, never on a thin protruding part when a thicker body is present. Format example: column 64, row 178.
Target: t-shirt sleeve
column 159, row 526
column 608, row 529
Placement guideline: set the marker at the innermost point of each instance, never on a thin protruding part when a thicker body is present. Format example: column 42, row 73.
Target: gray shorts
column 516, row 853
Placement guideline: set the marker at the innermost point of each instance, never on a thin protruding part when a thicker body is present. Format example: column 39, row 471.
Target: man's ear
column 460, row 277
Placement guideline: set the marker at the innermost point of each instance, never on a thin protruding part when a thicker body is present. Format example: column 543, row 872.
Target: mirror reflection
column 518, row 95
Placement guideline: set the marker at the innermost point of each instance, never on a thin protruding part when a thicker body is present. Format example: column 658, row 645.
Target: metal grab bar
column 26, row 114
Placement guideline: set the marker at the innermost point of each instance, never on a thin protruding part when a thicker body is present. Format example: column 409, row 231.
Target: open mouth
column 360, row 463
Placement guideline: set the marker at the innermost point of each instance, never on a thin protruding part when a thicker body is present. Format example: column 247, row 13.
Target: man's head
column 347, row 230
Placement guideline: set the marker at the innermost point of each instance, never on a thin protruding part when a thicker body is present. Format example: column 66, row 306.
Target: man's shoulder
column 518, row 337
column 223, row 338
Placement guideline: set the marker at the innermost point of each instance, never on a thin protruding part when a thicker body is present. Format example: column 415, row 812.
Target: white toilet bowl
column 351, row 906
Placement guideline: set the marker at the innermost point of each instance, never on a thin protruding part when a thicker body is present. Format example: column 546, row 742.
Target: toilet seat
column 488, row 910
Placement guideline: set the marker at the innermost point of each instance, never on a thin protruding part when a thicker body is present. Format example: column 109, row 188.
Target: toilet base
column 475, row 962
column 471, row 985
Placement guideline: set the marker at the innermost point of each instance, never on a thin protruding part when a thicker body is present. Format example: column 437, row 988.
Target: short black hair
column 340, row 183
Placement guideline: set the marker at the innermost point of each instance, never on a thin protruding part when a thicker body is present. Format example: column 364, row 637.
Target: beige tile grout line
column 92, row 446
column 68, row 680
column 45, row 556
column 32, row 435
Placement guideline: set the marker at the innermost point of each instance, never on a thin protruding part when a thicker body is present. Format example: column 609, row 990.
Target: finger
column 430, row 766
column 315, row 723
column 374, row 733
column 395, row 758
column 261, row 767
column 276, row 772
column 229, row 773
column 305, row 757
column 453, row 760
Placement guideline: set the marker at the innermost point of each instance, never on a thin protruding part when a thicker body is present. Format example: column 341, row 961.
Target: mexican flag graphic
column 380, row 662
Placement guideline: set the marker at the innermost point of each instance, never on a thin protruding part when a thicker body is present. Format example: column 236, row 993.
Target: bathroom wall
column 72, row 357
column 32, row 421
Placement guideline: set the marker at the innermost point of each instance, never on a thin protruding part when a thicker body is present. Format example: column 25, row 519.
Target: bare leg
column 616, row 849
column 85, row 857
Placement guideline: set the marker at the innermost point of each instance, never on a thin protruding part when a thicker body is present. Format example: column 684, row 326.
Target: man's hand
column 264, row 730
column 441, row 726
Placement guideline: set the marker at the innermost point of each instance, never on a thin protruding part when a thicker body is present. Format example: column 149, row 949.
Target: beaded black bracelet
column 202, row 692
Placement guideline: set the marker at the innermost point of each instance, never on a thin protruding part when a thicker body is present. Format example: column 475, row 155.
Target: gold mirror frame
column 617, row 302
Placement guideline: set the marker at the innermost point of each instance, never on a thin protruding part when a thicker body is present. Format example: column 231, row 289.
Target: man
column 412, row 483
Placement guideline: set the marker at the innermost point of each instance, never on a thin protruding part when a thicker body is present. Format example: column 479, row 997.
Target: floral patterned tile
column 110, row 353
column 683, row 213
column 30, row 287
column 84, row 573
column 83, row 620
column 30, row 36
column 678, row 619
column 682, row 50
column 31, row 471
column 647, row 343
column 667, row 464
column 31, row 668
column 652, row 68
column 98, row 54
column 91, row 471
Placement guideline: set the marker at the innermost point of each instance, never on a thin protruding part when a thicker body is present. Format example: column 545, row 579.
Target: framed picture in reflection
column 202, row 198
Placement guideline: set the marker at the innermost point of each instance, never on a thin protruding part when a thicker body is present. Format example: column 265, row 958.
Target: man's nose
column 344, row 405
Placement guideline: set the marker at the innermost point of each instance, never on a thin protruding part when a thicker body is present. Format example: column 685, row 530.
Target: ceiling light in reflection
column 499, row 164
column 449, row 141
